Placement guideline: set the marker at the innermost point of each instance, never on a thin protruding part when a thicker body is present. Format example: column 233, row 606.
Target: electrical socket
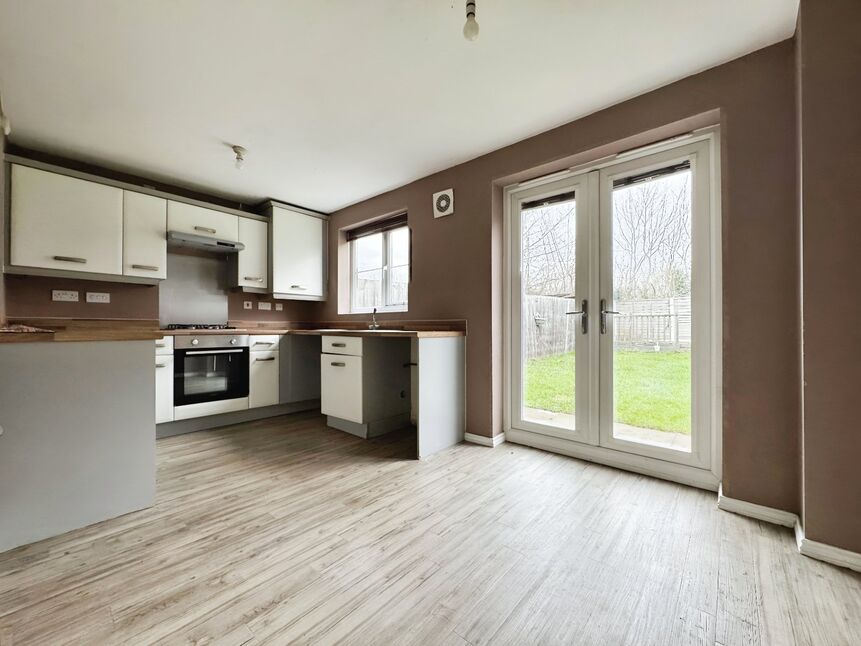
column 248, row 305
column 64, row 295
column 98, row 297
column 279, row 307
column 264, row 306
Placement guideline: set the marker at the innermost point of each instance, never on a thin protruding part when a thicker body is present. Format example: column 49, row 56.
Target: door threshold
column 681, row 473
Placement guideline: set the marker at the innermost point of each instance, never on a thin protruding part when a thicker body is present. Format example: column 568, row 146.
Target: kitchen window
column 380, row 266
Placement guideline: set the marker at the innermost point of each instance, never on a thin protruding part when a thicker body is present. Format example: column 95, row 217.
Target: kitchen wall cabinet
column 64, row 223
column 253, row 261
column 144, row 235
column 263, row 379
column 188, row 218
column 298, row 243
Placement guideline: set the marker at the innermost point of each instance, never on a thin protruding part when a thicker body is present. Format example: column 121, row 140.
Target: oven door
column 213, row 374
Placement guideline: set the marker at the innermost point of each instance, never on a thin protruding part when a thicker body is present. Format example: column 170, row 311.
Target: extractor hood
column 204, row 243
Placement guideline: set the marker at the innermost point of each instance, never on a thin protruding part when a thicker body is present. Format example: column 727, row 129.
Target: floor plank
column 285, row 531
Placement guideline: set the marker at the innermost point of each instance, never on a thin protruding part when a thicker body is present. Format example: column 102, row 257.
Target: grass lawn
column 652, row 388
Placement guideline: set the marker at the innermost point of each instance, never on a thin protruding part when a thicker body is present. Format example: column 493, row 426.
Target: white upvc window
column 380, row 270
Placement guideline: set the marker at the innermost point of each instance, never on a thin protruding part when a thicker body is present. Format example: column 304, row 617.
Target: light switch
column 64, row 295
column 98, row 297
column 279, row 307
column 248, row 305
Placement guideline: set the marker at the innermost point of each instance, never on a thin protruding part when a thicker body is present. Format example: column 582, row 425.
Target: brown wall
column 830, row 77
column 457, row 261
column 30, row 297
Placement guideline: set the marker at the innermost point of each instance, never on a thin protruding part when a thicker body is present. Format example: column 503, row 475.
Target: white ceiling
column 339, row 100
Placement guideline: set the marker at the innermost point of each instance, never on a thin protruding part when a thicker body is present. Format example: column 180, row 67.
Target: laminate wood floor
column 283, row 531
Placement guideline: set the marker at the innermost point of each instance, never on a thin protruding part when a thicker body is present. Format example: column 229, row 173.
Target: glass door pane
column 549, row 326
column 651, row 255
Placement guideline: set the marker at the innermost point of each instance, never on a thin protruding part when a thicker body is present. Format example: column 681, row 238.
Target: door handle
column 584, row 316
column 604, row 313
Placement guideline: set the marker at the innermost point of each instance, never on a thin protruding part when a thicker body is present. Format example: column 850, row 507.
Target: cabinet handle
column 407, row 365
column 161, row 365
column 161, row 345
column 338, row 364
column 205, row 229
column 302, row 287
column 256, row 279
column 145, row 267
column 82, row 261
column 339, row 345
column 269, row 359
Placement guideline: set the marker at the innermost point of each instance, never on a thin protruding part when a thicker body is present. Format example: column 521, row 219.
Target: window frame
column 386, row 274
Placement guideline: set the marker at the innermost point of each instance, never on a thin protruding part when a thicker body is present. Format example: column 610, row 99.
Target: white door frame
column 704, row 471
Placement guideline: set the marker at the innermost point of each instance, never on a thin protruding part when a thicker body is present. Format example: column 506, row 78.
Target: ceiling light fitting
column 470, row 29
column 240, row 156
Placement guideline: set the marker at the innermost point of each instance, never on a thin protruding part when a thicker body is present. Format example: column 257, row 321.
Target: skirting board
column 825, row 552
column 760, row 512
column 807, row 547
column 496, row 440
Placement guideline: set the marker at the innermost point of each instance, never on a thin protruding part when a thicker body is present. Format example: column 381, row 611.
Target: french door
column 614, row 309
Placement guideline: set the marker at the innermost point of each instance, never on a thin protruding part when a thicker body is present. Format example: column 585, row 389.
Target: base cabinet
column 365, row 380
column 263, row 379
column 163, row 389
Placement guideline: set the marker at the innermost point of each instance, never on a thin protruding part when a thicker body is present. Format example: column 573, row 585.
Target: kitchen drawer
column 351, row 345
column 265, row 342
column 341, row 387
column 164, row 345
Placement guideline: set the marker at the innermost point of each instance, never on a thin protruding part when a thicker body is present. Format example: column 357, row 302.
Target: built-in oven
column 210, row 368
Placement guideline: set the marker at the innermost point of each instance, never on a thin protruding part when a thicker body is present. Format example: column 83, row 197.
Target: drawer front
column 341, row 387
column 343, row 345
column 265, row 342
column 164, row 345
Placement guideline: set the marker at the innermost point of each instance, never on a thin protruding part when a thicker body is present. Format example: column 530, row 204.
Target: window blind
column 377, row 226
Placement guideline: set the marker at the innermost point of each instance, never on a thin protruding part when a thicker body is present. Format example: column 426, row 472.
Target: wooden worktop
column 83, row 330
column 46, row 329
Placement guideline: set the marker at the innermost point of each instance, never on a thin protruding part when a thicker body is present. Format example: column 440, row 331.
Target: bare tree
column 548, row 251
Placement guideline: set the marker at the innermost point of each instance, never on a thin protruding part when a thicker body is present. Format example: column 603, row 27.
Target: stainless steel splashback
column 195, row 290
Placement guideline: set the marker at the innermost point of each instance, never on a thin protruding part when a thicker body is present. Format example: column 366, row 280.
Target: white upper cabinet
column 253, row 263
column 187, row 218
column 298, row 254
column 144, row 235
column 60, row 222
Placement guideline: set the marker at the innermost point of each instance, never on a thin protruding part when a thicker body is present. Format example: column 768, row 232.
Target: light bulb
column 239, row 162
column 5, row 124
column 470, row 29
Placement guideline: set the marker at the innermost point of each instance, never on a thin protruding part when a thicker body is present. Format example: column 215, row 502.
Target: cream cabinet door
column 60, row 222
column 144, row 235
column 298, row 254
column 253, row 261
column 163, row 389
column 187, row 218
column 263, row 379
column 341, row 387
